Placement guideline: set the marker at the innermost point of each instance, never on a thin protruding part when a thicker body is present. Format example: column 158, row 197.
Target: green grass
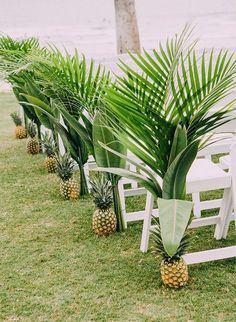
column 53, row 268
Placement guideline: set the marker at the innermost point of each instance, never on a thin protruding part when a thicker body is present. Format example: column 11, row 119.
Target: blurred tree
column 127, row 33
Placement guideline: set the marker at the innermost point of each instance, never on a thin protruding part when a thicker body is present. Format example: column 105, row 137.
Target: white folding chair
column 222, row 145
column 204, row 175
column 223, row 225
column 224, row 137
column 229, row 162
column 198, row 207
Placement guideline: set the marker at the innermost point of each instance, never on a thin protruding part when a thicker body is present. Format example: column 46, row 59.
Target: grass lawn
column 53, row 267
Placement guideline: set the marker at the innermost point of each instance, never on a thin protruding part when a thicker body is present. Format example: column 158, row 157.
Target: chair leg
column 122, row 201
column 196, row 204
column 224, row 214
column 232, row 170
column 226, row 227
column 147, row 223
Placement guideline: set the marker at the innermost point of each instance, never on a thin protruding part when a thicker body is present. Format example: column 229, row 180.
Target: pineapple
column 174, row 270
column 32, row 144
column 49, row 147
column 20, row 131
column 69, row 187
column 104, row 219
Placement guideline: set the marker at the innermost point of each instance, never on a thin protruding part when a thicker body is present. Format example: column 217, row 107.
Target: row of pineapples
column 33, row 146
column 54, row 163
column 174, row 271
column 104, row 219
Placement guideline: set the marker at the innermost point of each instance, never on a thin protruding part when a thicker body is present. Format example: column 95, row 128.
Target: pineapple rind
column 20, row 132
column 69, row 189
column 174, row 273
column 50, row 164
column 104, row 222
column 32, row 146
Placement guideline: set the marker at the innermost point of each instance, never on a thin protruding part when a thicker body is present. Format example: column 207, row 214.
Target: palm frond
column 166, row 88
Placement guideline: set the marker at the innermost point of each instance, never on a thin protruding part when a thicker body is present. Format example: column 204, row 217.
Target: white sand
column 89, row 24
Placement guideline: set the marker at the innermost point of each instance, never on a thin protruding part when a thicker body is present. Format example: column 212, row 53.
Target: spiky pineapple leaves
column 174, row 217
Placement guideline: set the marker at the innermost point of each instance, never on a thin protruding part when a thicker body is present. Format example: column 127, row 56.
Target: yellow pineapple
column 69, row 187
column 174, row 270
column 50, row 164
column 32, row 144
column 20, row 131
column 49, row 148
column 104, row 219
column 174, row 273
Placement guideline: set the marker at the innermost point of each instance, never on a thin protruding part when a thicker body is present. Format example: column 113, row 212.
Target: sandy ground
column 89, row 25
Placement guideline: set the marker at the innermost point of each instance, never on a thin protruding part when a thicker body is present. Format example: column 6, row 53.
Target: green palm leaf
column 167, row 88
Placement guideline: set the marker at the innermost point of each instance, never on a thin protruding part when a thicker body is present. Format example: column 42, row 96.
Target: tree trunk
column 127, row 33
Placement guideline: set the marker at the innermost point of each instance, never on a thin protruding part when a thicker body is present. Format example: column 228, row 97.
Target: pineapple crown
column 159, row 247
column 101, row 190
column 31, row 129
column 16, row 118
column 65, row 166
column 48, row 144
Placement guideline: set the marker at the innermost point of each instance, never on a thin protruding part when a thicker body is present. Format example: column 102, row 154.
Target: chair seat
column 204, row 175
